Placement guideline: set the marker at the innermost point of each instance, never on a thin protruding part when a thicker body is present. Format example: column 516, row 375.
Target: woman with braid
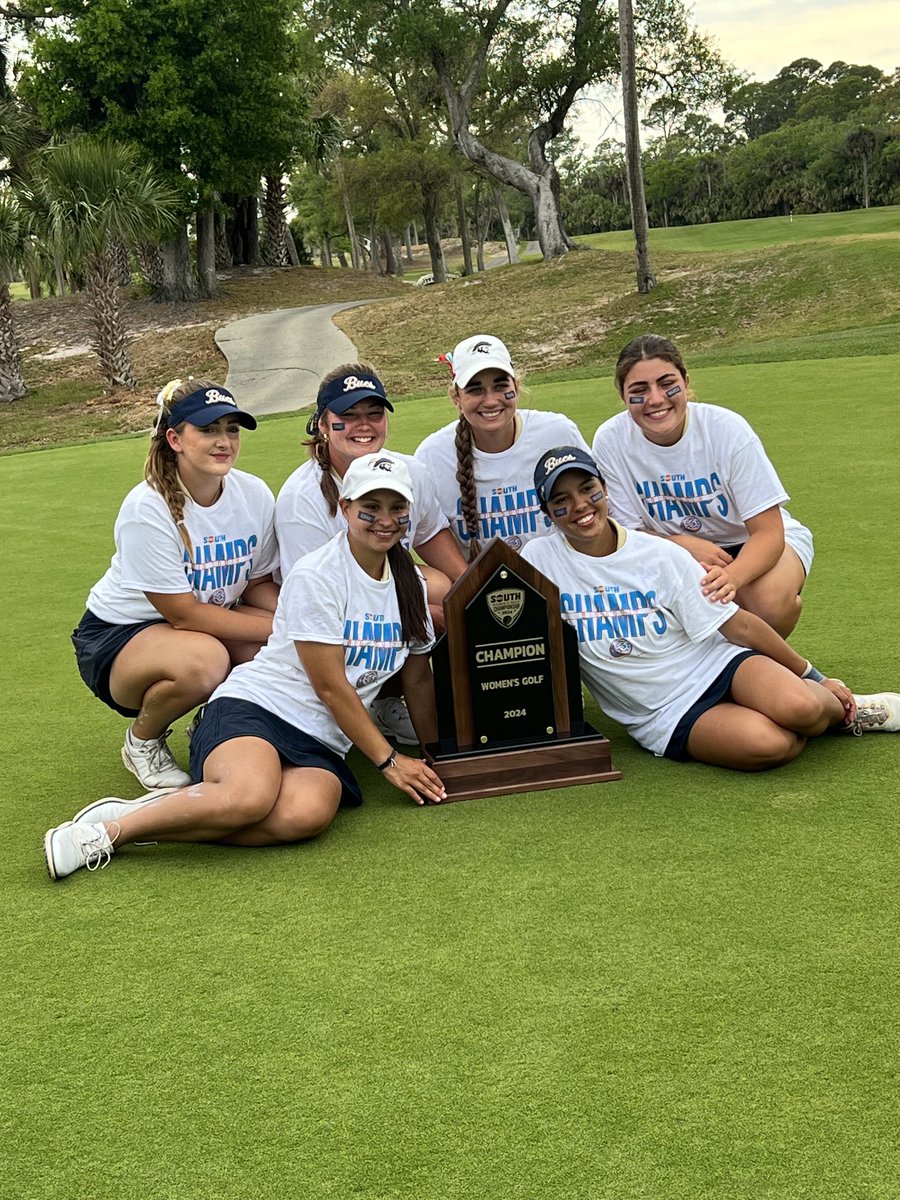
column 482, row 466
column 161, row 630
column 350, row 421
column 268, row 755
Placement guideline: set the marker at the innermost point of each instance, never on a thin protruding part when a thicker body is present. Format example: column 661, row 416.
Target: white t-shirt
column 233, row 542
column 327, row 597
column 508, row 505
column 303, row 521
column 648, row 639
column 714, row 479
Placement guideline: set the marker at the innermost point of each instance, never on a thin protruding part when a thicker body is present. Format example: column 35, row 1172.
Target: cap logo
column 352, row 383
column 383, row 464
column 550, row 464
column 216, row 397
column 481, row 348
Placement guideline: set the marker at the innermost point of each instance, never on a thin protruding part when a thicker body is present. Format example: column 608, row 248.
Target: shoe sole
column 48, row 850
column 129, row 766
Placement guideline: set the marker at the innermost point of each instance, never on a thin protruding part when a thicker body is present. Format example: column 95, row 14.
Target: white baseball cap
column 475, row 354
column 375, row 471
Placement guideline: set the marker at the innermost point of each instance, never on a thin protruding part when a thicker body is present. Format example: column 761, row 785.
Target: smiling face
column 655, row 394
column 578, row 508
column 378, row 520
column 205, row 453
column 360, row 430
column 489, row 402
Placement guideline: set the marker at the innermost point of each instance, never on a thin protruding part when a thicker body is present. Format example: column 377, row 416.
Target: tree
column 12, row 385
column 96, row 192
column 646, row 280
column 861, row 143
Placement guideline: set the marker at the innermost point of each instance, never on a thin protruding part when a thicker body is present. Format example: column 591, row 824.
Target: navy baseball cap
column 203, row 407
column 345, row 391
column 556, row 462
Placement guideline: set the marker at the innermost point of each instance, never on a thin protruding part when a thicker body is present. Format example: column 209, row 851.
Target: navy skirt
column 227, row 718
column 96, row 645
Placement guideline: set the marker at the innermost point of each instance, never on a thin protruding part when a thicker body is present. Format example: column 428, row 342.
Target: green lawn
column 764, row 231
column 682, row 986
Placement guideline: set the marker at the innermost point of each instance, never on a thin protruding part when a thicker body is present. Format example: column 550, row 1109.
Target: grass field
column 682, row 986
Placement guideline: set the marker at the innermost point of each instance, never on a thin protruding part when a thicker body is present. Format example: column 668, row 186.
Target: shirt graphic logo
column 621, row 648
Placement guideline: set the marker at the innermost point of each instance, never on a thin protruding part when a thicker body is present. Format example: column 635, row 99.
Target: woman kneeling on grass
column 270, row 747
column 698, row 475
column 687, row 677
column 161, row 630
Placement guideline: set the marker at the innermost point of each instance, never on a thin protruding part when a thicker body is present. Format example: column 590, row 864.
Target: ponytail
column 410, row 595
column 465, row 477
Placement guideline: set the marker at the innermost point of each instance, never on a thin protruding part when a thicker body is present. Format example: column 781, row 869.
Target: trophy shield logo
column 506, row 605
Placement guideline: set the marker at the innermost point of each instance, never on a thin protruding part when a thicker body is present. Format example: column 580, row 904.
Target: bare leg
column 775, row 596
column 241, row 784
column 164, row 673
column 767, row 724
column 306, row 806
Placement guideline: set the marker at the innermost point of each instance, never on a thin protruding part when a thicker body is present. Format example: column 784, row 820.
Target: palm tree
column 12, row 385
column 96, row 193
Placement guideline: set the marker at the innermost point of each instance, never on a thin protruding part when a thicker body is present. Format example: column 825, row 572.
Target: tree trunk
column 432, row 205
column 373, row 248
column 252, row 224
column 223, row 249
column 206, row 251
column 355, row 254
column 291, row 247
column 276, row 226
column 462, row 221
column 34, row 280
column 865, row 173
column 123, row 266
column 110, row 342
column 12, row 385
column 407, row 238
column 512, row 242
column 392, row 263
column 177, row 282
column 325, row 251
column 646, row 280
column 59, row 272
column 149, row 264
column 342, row 259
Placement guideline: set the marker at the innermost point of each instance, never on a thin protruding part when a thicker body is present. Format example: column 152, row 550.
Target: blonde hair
column 161, row 465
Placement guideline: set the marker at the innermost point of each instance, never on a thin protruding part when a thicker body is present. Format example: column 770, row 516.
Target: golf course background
column 679, row 986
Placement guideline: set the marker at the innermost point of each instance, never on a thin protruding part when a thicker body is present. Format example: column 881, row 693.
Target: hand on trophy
column 416, row 778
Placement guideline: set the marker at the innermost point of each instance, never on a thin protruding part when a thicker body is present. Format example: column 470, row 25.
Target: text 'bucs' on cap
column 345, row 391
column 373, row 472
column 476, row 354
column 555, row 462
column 203, row 407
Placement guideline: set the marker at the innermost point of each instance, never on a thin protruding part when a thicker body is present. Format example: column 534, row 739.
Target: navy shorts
column 96, row 645
column 227, row 718
column 717, row 691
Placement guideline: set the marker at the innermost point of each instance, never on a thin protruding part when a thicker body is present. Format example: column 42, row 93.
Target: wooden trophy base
column 564, row 763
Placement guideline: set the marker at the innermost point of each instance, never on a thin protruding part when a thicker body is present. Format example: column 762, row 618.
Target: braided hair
column 465, row 477
column 317, row 442
column 161, row 466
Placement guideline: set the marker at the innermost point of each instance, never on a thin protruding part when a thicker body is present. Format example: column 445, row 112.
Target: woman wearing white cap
column 350, row 421
column 270, row 747
column 688, row 678
column 161, row 629
column 481, row 466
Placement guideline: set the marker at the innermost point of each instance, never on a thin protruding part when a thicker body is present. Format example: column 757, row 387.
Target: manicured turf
column 682, row 985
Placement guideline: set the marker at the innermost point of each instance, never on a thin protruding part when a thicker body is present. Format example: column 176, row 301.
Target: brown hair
column 161, row 466
column 648, row 345
column 410, row 595
column 317, row 443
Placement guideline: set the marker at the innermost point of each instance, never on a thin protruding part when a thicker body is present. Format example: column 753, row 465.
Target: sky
column 759, row 37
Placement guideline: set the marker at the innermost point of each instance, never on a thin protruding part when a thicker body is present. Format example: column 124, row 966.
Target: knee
column 300, row 821
column 777, row 747
column 204, row 666
column 779, row 609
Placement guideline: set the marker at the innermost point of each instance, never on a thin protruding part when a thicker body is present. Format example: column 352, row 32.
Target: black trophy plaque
column 508, row 688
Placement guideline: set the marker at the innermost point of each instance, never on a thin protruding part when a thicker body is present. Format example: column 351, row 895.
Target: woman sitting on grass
column 270, row 747
column 161, row 629
column 351, row 421
column 699, row 476
column 686, row 677
column 481, row 465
